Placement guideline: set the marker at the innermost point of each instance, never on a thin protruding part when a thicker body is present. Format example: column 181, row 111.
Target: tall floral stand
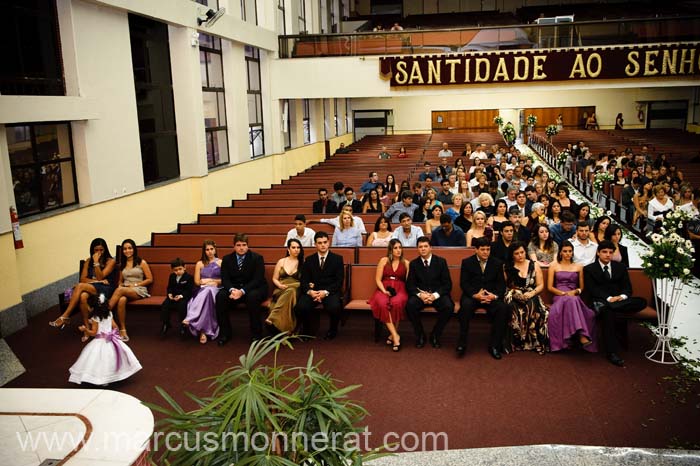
column 667, row 292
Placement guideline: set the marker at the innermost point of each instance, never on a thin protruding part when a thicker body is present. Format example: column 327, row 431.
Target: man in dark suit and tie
column 321, row 283
column 242, row 281
column 351, row 201
column 483, row 286
column 428, row 284
column 180, row 285
column 324, row 205
column 609, row 287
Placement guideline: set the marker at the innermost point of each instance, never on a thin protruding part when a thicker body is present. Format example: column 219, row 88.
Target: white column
column 7, row 195
column 187, row 96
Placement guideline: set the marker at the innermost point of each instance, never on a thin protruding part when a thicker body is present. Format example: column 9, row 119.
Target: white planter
column 667, row 291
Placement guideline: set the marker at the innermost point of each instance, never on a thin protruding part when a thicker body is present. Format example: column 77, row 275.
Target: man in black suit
column 179, row 292
column 483, row 286
column 324, row 205
column 351, row 201
column 321, row 283
column 499, row 248
column 428, row 284
column 242, row 281
column 609, row 287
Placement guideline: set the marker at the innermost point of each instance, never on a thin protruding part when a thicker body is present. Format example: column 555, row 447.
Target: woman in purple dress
column 201, row 310
column 570, row 320
column 389, row 300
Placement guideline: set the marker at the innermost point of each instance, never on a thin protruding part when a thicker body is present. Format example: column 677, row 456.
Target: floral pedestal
column 667, row 291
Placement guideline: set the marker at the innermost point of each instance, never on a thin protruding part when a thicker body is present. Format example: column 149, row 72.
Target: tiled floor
column 110, row 428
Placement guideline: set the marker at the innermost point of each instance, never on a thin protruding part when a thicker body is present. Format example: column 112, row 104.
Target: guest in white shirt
column 659, row 206
column 584, row 249
column 301, row 233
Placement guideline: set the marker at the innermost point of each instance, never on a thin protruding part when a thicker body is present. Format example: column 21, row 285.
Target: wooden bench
column 363, row 285
column 453, row 255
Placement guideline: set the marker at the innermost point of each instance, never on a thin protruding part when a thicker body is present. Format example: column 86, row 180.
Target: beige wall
column 64, row 238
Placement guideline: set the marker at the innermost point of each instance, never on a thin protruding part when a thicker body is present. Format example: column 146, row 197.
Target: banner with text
column 621, row 62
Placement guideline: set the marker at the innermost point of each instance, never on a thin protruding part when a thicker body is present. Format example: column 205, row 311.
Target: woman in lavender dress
column 570, row 320
column 201, row 310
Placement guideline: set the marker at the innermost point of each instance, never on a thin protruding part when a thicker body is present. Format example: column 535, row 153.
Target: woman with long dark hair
column 135, row 277
column 98, row 276
column 286, row 278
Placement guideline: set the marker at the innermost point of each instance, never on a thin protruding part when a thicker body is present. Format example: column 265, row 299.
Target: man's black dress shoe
column 615, row 359
column 495, row 354
column 434, row 342
column 164, row 329
column 461, row 350
column 222, row 341
column 420, row 341
column 330, row 335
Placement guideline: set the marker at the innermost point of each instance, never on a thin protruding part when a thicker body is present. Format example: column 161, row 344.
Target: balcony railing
column 529, row 36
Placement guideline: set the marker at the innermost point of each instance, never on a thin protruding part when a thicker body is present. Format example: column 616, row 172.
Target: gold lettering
column 482, row 77
column 596, row 73
column 401, row 74
column 649, row 65
column 690, row 61
column 578, row 67
column 537, row 72
column 501, row 70
column 669, row 63
column 452, row 62
column 466, row 69
column 416, row 75
column 516, row 68
column 632, row 67
column 434, row 71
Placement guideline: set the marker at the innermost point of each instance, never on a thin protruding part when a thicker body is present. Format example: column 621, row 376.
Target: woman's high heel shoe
column 61, row 322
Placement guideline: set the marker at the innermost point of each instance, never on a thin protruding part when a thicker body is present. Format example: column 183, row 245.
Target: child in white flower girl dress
column 106, row 358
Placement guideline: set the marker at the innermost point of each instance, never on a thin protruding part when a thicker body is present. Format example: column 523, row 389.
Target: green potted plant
column 261, row 412
column 498, row 121
column 550, row 131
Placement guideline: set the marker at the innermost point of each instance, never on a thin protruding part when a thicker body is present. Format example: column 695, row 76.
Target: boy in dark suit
column 609, row 287
column 321, row 283
column 179, row 293
column 483, row 285
column 428, row 284
column 324, row 205
column 242, row 281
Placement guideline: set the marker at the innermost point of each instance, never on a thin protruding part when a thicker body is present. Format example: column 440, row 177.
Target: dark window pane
column 31, row 61
column 217, row 148
column 19, row 145
column 26, row 189
column 211, row 111
column 154, row 99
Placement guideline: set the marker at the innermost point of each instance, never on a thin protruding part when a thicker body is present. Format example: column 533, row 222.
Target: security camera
column 210, row 17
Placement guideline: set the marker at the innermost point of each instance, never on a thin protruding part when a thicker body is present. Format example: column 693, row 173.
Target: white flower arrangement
column 531, row 120
column 561, row 157
column 599, row 180
column 498, row 121
column 670, row 256
column 551, row 130
column 597, row 211
column 676, row 219
column 509, row 133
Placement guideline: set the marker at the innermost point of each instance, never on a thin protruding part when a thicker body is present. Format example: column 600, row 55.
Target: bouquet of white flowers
column 600, row 179
column 561, row 158
column 676, row 220
column 670, row 256
column 509, row 133
column 498, row 121
column 531, row 120
column 551, row 130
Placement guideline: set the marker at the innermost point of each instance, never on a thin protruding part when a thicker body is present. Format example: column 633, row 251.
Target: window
column 307, row 122
column 150, row 56
column 41, row 162
column 286, row 124
column 31, row 52
column 211, row 67
column 335, row 116
column 256, row 134
column 347, row 115
column 281, row 24
column 302, row 17
column 249, row 11
column 210, row 3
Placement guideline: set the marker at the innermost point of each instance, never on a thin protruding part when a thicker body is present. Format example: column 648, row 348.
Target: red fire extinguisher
column 15, row 228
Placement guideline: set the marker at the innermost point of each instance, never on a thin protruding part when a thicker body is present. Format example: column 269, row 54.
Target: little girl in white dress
column 106, row 358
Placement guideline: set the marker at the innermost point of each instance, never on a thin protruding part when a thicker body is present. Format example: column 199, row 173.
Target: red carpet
column 568, row 398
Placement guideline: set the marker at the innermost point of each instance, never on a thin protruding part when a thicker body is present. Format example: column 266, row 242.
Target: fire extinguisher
column 15, row 228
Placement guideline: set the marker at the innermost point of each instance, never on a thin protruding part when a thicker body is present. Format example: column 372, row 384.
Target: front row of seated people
column 509, row 290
